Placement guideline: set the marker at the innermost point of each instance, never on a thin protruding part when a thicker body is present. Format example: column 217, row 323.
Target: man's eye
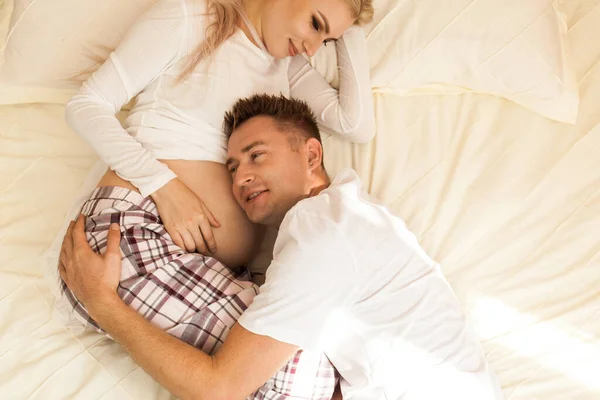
column 232, row 170
column 254, row 156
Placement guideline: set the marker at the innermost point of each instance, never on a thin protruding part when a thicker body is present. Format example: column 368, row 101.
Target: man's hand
column 183, row 369
column 93, row 278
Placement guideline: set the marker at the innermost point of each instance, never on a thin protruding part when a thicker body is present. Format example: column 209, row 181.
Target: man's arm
column 244, row 362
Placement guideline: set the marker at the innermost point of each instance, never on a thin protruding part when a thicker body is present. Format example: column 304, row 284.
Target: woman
column 188, row 61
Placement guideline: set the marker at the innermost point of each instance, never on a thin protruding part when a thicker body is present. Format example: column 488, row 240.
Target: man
column 347, row 278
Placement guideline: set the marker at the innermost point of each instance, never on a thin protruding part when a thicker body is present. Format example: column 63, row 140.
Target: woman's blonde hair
column 225, row 17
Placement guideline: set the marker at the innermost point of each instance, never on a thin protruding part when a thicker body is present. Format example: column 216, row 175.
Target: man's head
column 275, row 155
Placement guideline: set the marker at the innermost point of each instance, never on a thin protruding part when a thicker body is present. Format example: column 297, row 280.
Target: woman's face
column 291, row 27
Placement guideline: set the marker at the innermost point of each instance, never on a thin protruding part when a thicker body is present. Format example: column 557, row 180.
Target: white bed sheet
column 507, row 201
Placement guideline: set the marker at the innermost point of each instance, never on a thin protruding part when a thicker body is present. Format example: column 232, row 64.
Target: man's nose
column 243, row 176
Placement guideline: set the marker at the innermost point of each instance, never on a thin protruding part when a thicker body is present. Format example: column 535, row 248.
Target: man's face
column 269, row 177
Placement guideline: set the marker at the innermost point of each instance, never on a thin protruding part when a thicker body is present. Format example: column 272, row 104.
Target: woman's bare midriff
column 237, row 238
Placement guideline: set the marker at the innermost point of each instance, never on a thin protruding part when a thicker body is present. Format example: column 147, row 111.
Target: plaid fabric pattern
column 190, row 296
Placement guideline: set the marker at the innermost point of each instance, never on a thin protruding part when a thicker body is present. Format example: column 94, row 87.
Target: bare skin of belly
column 237, row 239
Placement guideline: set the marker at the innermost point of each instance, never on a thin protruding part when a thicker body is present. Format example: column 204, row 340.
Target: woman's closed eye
column 316, row 25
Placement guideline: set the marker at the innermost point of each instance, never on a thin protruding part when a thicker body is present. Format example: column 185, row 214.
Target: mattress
column 506, row 200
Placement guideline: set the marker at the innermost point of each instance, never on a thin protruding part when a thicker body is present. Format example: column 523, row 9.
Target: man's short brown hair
column 292, row 115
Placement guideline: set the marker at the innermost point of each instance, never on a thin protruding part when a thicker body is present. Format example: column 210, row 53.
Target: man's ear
column 314, row 151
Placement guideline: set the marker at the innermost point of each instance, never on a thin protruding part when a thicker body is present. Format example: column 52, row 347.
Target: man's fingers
column 113, row 241
column 67, row 244
column 79, row 238
column 62, row 258
column 62, row 271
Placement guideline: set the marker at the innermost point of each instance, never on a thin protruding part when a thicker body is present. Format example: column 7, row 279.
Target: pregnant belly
column 237, row 238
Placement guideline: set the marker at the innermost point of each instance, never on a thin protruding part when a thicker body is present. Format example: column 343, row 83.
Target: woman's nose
column 312, row 47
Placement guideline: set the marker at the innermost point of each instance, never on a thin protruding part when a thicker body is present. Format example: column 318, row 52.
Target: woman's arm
column 150, row 46
column 349, row 111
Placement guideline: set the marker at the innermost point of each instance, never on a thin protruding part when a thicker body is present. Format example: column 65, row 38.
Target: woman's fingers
column 200, row 245
column 207, row 233
column 188, row 240
column 176, row 237
column 211, row 218
column 184, row 238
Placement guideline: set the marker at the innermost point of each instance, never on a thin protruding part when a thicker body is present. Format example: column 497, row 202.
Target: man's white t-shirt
column 350, row 280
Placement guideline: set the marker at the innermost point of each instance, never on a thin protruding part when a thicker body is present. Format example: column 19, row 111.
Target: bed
column 500, row 184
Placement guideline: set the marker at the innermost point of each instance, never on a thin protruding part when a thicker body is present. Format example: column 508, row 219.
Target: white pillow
column 511, row 48
column 50, row 42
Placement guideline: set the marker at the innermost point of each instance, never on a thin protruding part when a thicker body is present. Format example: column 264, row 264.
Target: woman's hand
column 186, row 217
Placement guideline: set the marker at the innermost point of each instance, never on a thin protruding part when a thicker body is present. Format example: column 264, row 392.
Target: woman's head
column 285, row 26
column 289, row 27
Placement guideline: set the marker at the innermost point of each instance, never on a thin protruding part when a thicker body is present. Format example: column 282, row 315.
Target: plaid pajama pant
column 190, row 296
